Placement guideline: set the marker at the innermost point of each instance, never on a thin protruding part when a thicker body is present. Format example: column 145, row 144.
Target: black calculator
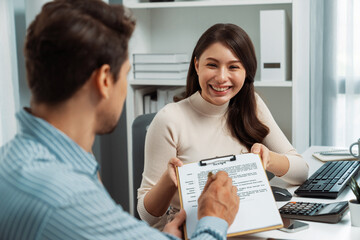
column 318, row 212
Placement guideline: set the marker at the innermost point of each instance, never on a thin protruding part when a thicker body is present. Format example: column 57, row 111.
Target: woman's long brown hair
column 242, row 119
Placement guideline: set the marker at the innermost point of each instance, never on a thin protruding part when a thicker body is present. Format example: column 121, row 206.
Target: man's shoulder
column 22, row 150
column 59, row 184
column 34, row 171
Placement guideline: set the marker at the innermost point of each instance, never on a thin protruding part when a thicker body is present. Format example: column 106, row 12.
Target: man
column 77, row 63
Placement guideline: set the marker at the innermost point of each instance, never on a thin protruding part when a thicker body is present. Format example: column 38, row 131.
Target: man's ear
column 103, row 80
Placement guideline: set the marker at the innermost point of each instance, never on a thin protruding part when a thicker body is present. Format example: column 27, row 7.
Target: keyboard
column 329, row 180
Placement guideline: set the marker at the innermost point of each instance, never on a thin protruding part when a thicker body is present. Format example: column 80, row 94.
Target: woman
column 220, row 115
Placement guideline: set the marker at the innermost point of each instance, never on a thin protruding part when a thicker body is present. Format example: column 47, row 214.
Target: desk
column 342, row 230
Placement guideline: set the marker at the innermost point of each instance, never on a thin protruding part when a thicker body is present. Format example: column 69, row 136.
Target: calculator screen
column 331, row 208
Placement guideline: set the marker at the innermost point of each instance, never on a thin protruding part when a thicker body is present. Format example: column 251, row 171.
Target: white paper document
column 257, row 211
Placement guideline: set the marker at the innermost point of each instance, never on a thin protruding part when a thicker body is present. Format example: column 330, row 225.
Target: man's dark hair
column 70, row 39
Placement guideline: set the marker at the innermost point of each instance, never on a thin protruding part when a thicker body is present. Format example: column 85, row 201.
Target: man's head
column 68, row 41
column 80, row 48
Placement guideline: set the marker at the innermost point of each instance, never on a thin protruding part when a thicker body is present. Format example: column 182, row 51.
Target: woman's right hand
column 158, row 199
column 171, row 169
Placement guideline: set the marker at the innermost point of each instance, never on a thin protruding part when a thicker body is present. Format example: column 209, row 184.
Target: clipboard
column 248, row 174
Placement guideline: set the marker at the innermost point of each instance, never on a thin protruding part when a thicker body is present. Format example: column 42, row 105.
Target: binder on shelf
column 177, row 92
column 153, row 105
column 257, row 211
column 160, row 75
column 160, row 58
column 166, row 95
column 152, row 99
column 150, row 102
column 158, row 67
column 139, row 94
column 162, row 93
column 275, row 58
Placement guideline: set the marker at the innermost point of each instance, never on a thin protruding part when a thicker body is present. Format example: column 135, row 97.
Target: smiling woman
column 221, row 74
column 220, row 115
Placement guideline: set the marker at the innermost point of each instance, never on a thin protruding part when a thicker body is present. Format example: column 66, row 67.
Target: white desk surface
column 339, row 231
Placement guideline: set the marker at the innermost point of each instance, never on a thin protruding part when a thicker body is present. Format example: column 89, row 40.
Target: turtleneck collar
column 204, row 107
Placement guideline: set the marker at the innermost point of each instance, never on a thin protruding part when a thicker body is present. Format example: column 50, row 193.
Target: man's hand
column 219, row 198
column 174, row 227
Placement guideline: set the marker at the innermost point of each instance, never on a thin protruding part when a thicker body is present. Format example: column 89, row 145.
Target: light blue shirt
column 49, row 190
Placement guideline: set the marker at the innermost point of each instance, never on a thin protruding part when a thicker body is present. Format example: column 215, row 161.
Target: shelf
column 166, row 82
column 210, row 3
column 273, row 84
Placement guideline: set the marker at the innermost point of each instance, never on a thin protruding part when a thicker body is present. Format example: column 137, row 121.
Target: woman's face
column 221, row 74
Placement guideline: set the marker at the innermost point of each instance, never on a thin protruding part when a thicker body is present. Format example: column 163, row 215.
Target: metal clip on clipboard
column 215, row 160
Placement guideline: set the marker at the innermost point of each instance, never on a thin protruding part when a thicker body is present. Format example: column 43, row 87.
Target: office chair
column 139, row 129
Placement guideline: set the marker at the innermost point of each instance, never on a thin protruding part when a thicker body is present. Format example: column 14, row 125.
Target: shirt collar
column 58, row 143
column 206, row 108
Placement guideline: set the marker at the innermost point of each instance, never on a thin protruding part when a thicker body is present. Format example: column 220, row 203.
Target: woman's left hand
column 264, row 153
column 171, row 169
column 273, row 162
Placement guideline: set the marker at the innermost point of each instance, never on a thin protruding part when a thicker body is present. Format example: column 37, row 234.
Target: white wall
column 9, row 97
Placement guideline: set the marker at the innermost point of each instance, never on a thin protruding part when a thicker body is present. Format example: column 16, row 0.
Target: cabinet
column 174, row 27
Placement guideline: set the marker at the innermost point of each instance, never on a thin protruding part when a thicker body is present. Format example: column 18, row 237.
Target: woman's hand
column 171, row 169
column 264, row 153
column 273, row 162
column 158, row 199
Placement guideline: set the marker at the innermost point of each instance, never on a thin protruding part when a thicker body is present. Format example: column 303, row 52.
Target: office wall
column 20, row 30
column 9, row 90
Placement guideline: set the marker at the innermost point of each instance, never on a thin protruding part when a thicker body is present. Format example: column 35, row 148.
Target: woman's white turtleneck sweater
column 194, row 129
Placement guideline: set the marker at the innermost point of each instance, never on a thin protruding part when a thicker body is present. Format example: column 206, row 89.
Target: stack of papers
column 334, row 155
column 161, row 66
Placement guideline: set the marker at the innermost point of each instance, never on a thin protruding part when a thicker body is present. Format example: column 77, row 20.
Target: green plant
column 355, row 188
